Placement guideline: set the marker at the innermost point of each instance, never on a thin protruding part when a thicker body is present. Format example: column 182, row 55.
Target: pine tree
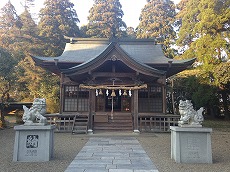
column 32, row 42
column 28, row 25
column 221, row 76
column 57, row 18
column 7, row 63
column 10, row 25
column 156, row 21
column 205, row 30
column 105, row 19
column 205, row 27
column 32, row 80
column 28, row 43
column 8, row 18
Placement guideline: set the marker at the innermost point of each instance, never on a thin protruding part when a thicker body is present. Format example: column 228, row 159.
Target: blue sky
column 131, row 9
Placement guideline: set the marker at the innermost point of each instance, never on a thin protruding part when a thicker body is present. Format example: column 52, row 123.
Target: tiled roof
column 79, row 53
column 82, row 52
column 145, row 53
column 140, row 50
column 91, row 63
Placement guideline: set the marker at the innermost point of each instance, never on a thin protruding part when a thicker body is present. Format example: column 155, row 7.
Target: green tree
column 8, row 18
column 19, row 40
column 221, row 78
column 7, row 78
column 27, row 41
column 33, row 80
column 57, row 18
column 187, row 18
column 204, row 28
column 188, row 85
column 28, row 25
column 83, row 30
column 49, row 89
column 10, row 25
column 105, row 19
column 38, row 83
column 156, row 21
column 131, row 33
column 28, row 79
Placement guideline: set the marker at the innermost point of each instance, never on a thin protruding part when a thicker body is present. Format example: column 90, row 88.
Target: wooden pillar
column 164, row 94
column 62, row 92
column 135, row 111
column 90, row 125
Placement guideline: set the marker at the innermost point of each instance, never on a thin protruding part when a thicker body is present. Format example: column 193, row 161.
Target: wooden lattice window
column 75, row 99
column 150, row 99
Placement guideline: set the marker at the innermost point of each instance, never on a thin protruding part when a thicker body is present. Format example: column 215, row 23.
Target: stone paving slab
column 112, row 154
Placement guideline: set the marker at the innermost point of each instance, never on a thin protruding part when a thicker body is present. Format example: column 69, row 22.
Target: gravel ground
column 159, row 150
column 157, row 146
column 66, row 147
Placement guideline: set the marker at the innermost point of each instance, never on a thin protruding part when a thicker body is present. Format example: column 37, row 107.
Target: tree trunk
column 2, row 116
column 173, row 102
column 211, row 112
column 225, row 105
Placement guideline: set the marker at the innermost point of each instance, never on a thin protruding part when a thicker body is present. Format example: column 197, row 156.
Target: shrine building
column 113, row 82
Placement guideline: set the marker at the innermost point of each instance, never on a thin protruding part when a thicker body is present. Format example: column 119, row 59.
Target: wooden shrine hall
column 113, row 82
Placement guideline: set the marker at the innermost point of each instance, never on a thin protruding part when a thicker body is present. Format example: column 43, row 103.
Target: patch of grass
column 222, row 125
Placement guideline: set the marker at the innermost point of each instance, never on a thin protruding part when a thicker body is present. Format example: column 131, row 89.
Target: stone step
column 113, row 124
column 118, row 121
column 113, row 128
column 120, row 117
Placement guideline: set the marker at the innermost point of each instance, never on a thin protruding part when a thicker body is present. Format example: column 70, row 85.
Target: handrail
column 63, row 122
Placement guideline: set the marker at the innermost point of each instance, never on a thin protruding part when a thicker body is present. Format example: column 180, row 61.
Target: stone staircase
column 119, row 121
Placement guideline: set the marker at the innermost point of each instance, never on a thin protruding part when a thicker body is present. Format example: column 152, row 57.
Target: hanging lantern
column 125, row 93
column 100, row 92
column 96, row 92
column 113, row 93
column 107, row 92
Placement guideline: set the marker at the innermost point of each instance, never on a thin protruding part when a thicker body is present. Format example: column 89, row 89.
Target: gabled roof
column 82, row 52
column 94, row 63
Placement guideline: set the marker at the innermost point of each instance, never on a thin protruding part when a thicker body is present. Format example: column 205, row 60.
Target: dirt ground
column 157, row 146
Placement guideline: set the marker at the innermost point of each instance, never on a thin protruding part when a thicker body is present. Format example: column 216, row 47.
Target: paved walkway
column 112, row 154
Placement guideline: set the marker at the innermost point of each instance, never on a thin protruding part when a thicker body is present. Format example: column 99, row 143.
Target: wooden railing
column 158, row 123
column 148, row 123
column 63, row 122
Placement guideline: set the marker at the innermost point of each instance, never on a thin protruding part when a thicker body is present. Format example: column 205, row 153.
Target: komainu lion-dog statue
column 36, row 112
column 188, row 115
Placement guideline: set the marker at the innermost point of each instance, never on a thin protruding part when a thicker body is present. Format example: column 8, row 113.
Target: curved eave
column 78, row 69
column 52, row 66
column 37, row 60
column 179, row 66
column 96, row 62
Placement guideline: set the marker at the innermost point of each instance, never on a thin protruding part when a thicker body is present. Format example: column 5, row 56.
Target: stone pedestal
column 191, row 145
column 33, row 143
